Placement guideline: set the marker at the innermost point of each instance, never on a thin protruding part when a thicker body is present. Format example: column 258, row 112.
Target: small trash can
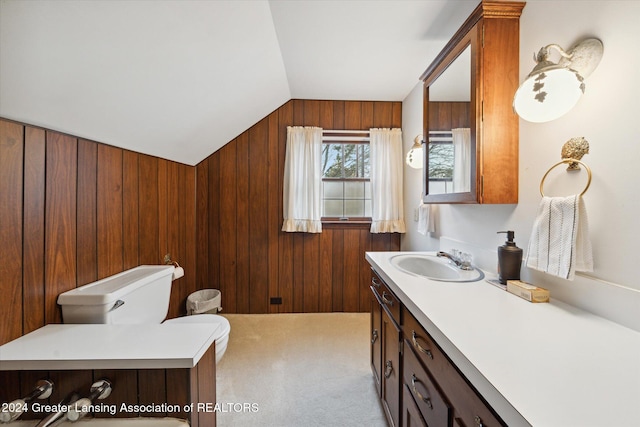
column 206, row 301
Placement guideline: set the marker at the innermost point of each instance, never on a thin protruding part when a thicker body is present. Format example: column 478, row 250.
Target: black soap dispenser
column 509, row 259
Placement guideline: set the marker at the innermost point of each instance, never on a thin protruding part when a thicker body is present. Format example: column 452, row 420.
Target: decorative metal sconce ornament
column 553, row 89
column 574, row 149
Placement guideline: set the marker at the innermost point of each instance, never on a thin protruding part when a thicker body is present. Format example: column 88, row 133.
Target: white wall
column 606, row 116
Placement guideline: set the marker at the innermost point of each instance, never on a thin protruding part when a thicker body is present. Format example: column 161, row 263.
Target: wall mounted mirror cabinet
column 471, row 131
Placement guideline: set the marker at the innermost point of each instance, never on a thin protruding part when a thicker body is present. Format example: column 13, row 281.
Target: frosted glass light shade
column 414, row 156
column 547, row 95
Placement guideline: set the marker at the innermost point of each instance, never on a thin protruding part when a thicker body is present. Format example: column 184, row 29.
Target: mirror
column 449, row 137
column 450, row 110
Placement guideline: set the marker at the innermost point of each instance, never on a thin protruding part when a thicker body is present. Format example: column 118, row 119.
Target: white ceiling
column 179, row 79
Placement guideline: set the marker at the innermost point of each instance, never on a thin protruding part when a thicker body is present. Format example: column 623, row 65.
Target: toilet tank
column 138, row 295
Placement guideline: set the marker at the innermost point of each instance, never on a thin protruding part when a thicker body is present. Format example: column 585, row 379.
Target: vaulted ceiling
column 179, row 79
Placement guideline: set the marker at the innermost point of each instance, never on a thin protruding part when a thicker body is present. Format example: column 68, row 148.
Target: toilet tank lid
column 112, row 288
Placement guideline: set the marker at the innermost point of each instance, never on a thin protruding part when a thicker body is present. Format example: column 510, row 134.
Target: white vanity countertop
column 151, row 346
column 548, row 364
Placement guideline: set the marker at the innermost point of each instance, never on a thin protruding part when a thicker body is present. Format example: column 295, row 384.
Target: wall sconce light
column 414, row 156
column 553, row 89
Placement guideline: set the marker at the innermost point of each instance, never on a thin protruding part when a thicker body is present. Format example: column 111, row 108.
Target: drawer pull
column 426, row 400
column 478, row 421
column 416, row 344
column 385, row 299
column 375, row 282
column 388, row 369
column 374, row 336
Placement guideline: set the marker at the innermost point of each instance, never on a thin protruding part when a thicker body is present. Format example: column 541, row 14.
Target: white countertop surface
column 541, row 365
column 150, row 346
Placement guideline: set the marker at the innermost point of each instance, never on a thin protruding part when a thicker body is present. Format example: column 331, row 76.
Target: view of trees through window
column 441, row 161
column 341, row 160
column 345, row 176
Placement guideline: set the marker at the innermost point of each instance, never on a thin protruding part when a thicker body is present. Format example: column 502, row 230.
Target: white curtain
column 302, row 192
column 386, row 181
column 461, row 160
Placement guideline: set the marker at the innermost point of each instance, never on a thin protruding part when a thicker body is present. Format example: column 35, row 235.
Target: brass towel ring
column 568, row 160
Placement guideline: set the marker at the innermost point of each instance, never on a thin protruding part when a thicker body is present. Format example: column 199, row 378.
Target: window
column 346, row 188
column 441, row 162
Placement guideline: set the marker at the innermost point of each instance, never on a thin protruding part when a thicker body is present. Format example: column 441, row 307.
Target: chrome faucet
column 99, row 390
column 13, row 410
column 60, row 415
column 462, row 260
column 74, row 407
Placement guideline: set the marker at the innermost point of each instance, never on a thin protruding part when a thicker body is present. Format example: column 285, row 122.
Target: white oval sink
column 434, row 268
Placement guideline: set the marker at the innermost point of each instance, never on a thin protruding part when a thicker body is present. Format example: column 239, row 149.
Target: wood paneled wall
column 449, row 115
column 74, row 211
column 241, row 249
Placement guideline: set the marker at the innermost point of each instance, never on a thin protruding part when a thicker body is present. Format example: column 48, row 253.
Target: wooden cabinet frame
column 492, row 31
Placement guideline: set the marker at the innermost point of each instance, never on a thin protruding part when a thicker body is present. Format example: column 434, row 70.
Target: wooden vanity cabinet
column 467, row 407
column 417, row 383
column 385, row 348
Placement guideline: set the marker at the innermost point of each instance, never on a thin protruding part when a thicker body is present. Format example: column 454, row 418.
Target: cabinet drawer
column 471, row 410
column 386, row 297
column 411, row 416
column 424, row 346
column 432, row 405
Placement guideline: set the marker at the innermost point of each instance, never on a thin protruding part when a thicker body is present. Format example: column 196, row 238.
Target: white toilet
column 138, row 295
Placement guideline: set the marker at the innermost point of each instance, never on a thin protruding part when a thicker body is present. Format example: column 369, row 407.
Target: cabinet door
column 376, row 342
column 391, row 378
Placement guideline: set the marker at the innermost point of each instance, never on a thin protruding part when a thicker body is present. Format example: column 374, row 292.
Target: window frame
column 352, row 219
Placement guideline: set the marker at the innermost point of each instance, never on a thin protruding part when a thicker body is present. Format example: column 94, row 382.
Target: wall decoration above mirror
column 471, row 148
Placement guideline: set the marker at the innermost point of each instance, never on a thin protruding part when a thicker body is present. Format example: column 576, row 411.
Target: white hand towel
column 559, row 243
column 426, row 223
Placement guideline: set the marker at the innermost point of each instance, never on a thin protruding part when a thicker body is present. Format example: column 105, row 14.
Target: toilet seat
column 222, row 336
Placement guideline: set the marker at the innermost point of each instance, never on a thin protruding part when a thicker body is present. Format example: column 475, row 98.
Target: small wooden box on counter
column 527, row 291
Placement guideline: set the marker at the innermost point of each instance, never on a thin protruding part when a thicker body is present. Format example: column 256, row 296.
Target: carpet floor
column 283, row 370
